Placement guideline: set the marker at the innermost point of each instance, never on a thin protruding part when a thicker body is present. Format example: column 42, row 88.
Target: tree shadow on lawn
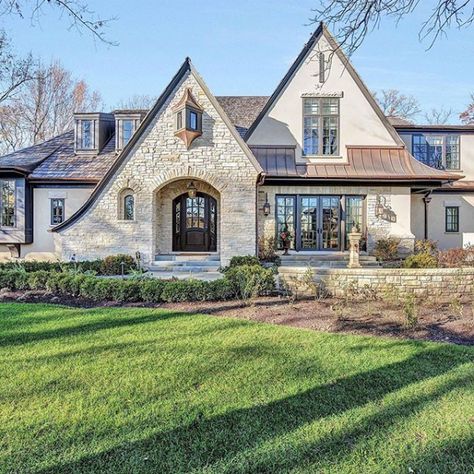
column 205, row 443
column 110, row 321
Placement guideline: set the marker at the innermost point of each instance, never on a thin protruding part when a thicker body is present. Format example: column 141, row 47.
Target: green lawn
column 127, row 390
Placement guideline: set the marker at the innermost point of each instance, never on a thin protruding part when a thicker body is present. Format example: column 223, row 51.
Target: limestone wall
column 442, row 284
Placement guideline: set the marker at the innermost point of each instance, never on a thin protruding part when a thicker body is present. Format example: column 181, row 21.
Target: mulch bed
column 436, row 322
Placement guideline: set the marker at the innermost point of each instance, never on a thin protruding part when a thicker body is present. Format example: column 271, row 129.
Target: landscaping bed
column 452, row 323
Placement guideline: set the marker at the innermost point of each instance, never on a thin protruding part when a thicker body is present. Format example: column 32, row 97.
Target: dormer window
column 127, row 131
column 188, row 118
column 87, row 136
column 126, row 124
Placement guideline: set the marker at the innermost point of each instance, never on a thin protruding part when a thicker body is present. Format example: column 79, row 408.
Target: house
column 212, row 175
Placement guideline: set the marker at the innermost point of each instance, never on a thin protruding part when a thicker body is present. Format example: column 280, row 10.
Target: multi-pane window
column 321, row 126
column 285, row 216
column 193, row 120
column 354, row 216
column 57, row 211
column 127, row 131
column 87, row 138
column 452, row 218
column 195, row 213
column 129, row 207
column 437, row 151
column 7, row 202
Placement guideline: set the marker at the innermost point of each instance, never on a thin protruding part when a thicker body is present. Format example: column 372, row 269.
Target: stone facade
column 396, row 200
column 443, row 284
column 159, row 160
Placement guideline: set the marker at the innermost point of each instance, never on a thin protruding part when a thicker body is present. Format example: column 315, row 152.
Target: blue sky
column 242, row 48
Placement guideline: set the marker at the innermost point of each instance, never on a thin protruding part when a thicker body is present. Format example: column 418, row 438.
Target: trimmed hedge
column 111, row 265
column 239, row 282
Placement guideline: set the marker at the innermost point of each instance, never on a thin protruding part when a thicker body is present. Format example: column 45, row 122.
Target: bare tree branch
column 395, row 104
column 438, row 116
column 137, row 102
column 353, row 19
column 80, row 15
column 467, row 117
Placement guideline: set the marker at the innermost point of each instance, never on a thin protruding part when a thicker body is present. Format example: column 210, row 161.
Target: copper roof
column 363, row 163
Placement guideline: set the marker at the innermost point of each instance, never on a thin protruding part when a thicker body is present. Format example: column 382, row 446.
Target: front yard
column 133, row 390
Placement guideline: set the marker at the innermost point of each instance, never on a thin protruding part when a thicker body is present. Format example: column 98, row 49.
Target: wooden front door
column 194, row 223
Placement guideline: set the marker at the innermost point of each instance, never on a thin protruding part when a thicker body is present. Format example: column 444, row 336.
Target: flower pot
column 286, row 247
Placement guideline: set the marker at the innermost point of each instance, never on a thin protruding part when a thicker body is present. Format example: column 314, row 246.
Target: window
column 354, row 215
column 452, row 218
column 193, row 120
column 321, row 126
column 127, row 131
column 285, row 216
column 8, row 202
column 87, row 138
column 437, row 151
column 129, row 207
column 57, row 211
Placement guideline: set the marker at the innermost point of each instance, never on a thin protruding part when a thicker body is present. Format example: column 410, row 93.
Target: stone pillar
column 354, row 249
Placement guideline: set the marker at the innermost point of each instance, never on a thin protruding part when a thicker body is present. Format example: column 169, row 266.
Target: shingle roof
column 363, row 163
column 398, row 121
column 65, row 164
column 242, row 110
column 27, row 159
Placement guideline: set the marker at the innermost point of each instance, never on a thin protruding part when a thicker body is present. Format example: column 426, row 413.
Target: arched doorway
column 194, row 223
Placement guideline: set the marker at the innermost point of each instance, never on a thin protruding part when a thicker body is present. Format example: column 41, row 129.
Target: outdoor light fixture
column 379, row 207
column 266, row 206
column 192, row 190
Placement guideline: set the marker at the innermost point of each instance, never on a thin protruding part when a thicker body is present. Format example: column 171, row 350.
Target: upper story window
column 87, row 135
column 57, row 211
column 188, row 118
column 128, row 127
column 321, row 126
column 7, row 202
column 438, row 151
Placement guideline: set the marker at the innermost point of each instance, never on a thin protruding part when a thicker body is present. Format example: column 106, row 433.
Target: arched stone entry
column 195, row 223
column 168, row 224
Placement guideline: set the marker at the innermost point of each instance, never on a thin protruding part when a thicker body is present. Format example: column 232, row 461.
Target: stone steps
column 324, row 261
column 186, row 263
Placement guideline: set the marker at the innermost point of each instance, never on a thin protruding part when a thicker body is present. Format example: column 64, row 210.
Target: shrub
column 267, row 250
column 125, row 290
column 183, row 290
column 421, row 260
column 112, row 265
column 151, row 289
column 248, row 281
column 426, row 246
column 456, row 257
column 14, row 280
column 241, row 260
column 386, row 249
column 410, row 311
column 37, row 280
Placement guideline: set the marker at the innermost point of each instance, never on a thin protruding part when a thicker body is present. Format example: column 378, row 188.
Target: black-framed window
column 452, row 219
column 57, row 211
column 355, row 216
column 321, row 126
column 285, row 218
column 8, row 202
column 437, row 151
column 129, row 207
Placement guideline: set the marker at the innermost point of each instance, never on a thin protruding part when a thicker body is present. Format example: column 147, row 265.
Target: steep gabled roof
column 186, row 67
column 323, row 31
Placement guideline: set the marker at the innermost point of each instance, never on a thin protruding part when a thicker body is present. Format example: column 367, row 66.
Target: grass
column 125, row 390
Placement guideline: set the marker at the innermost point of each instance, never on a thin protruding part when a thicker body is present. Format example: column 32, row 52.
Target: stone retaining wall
column 443, row 284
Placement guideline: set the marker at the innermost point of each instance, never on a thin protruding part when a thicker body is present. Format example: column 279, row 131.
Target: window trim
column 92, row 134
column 457, row 222
column 321, row 117
column 51, row 208
column 444, row 137
column 124, row 207
column 122, row 128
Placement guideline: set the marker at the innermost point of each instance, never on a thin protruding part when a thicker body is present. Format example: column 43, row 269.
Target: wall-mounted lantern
column 192, row 190
column 266, row 206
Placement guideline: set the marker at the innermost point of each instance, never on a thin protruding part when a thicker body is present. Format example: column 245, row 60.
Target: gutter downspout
column 426, row 200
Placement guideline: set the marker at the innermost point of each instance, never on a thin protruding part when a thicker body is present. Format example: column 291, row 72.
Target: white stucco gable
column 361, row 121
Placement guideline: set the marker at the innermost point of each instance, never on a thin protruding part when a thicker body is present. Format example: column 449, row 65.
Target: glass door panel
column 309, row 206
column 330, row 222
column 285, row 217
column 355, row 217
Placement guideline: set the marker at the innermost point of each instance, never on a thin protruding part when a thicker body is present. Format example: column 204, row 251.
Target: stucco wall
column 397, row 198
column 42, row 247
column 359, row 124
column 158, row 159
column 442, row 284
